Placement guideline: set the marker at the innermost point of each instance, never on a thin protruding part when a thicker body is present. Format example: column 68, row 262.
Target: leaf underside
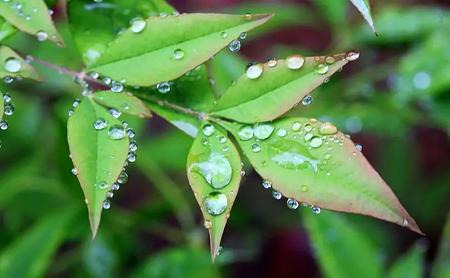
column 147, row 58
column 96, row 156
column 124, row 102
column 32, row 17
column 323, row 169
column 214, row 162
column 278, row 85
column 26, row 71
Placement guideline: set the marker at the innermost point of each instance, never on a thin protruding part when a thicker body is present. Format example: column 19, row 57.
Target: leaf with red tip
column 282, row 83
column 313, row 163
column 97, row 158
column 214, row 172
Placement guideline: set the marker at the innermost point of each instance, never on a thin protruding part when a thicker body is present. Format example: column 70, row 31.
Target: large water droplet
column 116, row 87
column 316, row 142
column 295, row 61
column 254, row 71
column 245, row 133
column 215, row 203
column 262, row 131
column 100, row 124
column 137, row 25
column 12, row 65
column 117, row 132
column 215, row 169
column 114, row 112
column 352, row 56
column 208, row 130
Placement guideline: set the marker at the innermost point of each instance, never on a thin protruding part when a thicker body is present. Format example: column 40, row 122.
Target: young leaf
column 363, row 7
column 98, row 153
column 95, row 25
column 30, row 16
column 13, row 65
column 336, row 241
column 410, row 265
column 124, row 102
column 2, row 106
column 281, row 83
column 168, row 47
column 214, row 172
column 30, row 255
column 6, row 29
column 311, row 162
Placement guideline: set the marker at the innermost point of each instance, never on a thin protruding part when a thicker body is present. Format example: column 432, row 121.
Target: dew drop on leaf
column 12, row 65
column 316, row 142
column 41, row 36
column 296, row 126
column 208, row 130
column 266, row 184
column 327, row 129
column 224, row 35
column 352, row 56
column 254, row 71
column 100, row 124
column 292, row 204
column 262, row 131
column 256, row 148
column 295, row 62
column 282, row 132
column 3, row 125
column 215, row 203
column 234, row 46
column 163, row 87
column 137, row 25
column 272, row 63
column 114, row 112
column 102, row 185
column 307, row 100
column 116, row 87
column 215, row 169
column 315, row 210
column 276, row 195
column 322, row 68
column 117, row 132
column 106, row 204
column 245, row 133
column 178, row 54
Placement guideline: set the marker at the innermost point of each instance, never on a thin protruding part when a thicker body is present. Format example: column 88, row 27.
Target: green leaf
column 32, row 17
column 95, row 25
column 155, row 55
column 441, row 265
column 6, row 29
column 180, row 262
column 214, row 172
column 31, row 253
column 337, row 241
column 124, row 102
column 18, row 67
column 282, row 87
column 2, row 107
column 363, row 7
column 313, row 163
column 410, row 265
column 98, row 158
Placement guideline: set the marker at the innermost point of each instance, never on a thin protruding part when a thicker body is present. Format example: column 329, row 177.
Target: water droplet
column 282, row 132
column 76, row 102
column 131, row 157
column 322, row 68
column 8, row 109
column 8, row 79
column 327, row 129
column 106, row 80
column 405, row 223
column 254, row 71
column 3, row 125
column 272, row 63
column 70, row 112
column 123, row 178
column 208, row 130
column 352, row 56
column 291, row 154
column 243, row 35
column 12, row 65
column 178, row 54
column 74, row 171
column 308, row 136
column 327, row 156
column 114, row 112
column 222, row 139
column 330, row 60
column 137, row 25
column 262, row 131
column 215, row 203
column 256, row 148
column 115, row 186
column 296, row 126
column 224, row 35
column 116, row 87
column 295, row 61
column 234, row 46
column 358, row 147
column 133, row 146
column 207, row 224
column 219, row 251
column 315, row 210
column 163, row 87
column 6, row 98
column 102, row 185
column 41, row 36
column 316, row 142
column 109, row 194
column 304, row 188
column 307, row 100
column 266, row 184
column 117, row 132
column 215, row 169
column 248, row 16
column 100, row 124
column 276, row 195
column 245, row 133
column 106, row 204
column 292, row 204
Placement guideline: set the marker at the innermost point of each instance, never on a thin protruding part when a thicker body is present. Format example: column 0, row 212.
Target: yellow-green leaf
column 167, row 47
column 124, row 102
column 11, row 64
column 214, row 172
column 30, row 16
column 282, row 84
column 98, row 154
column 311, row 162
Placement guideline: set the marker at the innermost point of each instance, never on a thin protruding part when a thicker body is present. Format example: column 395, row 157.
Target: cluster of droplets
column 234, row 45
column 115, row 86
column 12, row 65
column 8, row 111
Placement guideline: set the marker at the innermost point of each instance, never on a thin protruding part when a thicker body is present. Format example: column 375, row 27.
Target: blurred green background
column 395, row 101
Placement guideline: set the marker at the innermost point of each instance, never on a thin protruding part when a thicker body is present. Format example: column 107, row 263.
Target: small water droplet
column 123, row 177
column 327, row 129
column 117, row 132
column 115, row 186
column 266, row 184
column 234, row 46
column 315, row 210
column 224, row 35
column 282, row 132
column 106, row 204
column 245, row 133
column 116, row 87
column 256, row 148
column 262, row 131
column 276, row 195
column 304, row 188
column 352, row 56
column 208, row 130
column 215, row 203
column 74, row 171
column 178, row 54
column 272, row 63
column 8, row 109
column 359, row 147
column 41, row 36
column 307, row 100
column 330, row 59
column 3, row 125
column 114, row 112
column 137, row 25
column 292, row 204
column 295, row 61
column 8, row 79
column 296, row 126
column 163, row 87
column 102, row 185
column 100, row 124
column 254, row 71
column 243, row 35
column 322, row 68
column 316, row 142
column 12, row 65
